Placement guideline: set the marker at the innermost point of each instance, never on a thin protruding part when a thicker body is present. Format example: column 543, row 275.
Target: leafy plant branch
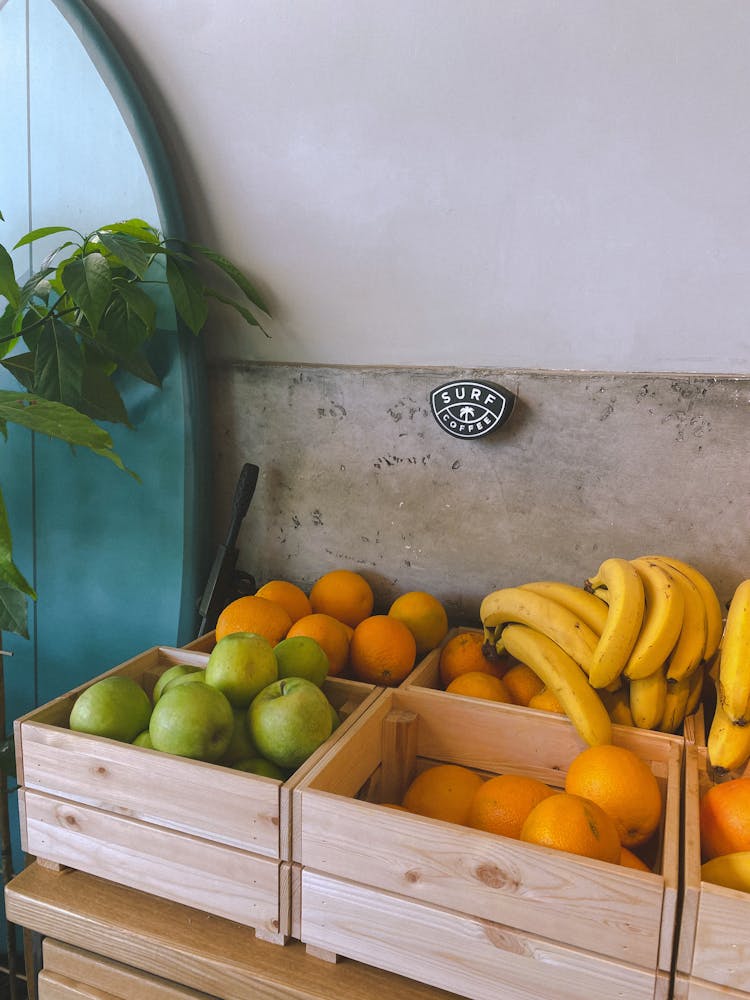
column 88, row 312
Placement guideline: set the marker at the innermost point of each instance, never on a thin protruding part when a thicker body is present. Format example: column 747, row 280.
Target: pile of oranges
column 469, row 666
column 609, row 810
column 339, row 614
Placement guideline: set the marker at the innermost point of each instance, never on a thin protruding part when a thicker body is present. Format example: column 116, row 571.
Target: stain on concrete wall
column 356, row 472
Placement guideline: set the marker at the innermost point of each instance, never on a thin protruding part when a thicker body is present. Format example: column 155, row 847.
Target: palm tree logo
column 466, row 413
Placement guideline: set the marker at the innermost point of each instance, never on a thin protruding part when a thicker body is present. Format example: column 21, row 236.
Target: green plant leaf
column 57, row 421
column 133, row 227
column 233, row 272
column 138, row 302
column 88, row 281
column 187, row 293
column 128, row 250
column 37, row 286
column 13, row 612
column 58, row 367
column 9, row 572
column 38, row 234
column 21, row 367
column 8, row 284
column 8, row 332
column 245, row 313
column 100, row 400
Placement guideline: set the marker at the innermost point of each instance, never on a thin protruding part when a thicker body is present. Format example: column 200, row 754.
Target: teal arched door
column 118, row 565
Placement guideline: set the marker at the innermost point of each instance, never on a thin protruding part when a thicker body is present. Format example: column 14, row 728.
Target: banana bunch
column 631, row 646
column 729, row 734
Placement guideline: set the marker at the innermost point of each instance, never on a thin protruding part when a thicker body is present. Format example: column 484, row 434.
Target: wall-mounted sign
column 470, row 408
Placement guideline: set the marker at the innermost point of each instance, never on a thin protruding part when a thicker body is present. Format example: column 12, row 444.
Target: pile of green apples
column 254, row 707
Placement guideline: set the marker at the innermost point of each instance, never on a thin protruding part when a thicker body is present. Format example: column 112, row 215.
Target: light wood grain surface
column 188, row 947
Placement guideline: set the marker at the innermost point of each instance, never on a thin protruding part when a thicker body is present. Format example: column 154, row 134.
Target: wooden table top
column 186, row 946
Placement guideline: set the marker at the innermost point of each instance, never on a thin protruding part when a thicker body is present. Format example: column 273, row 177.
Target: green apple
column 289, row 719
column 335, row 717
column 176, row 670
column 194, row 677
column 241, row 745
column 259, row 765
column 192, row 720
column 143, row 740
column 116, row 707
column 301, row 656
column 240, row 665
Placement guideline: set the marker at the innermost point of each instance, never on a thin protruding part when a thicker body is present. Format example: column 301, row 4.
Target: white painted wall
column 558, row 184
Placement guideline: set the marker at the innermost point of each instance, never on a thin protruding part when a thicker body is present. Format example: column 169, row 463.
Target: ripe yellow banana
column 617, row 704
column 675, row 704
column 562, row 675
column 588, row 607
column 730, row 870
column 690, row 647
column 714, row 613
column 648, row 697
column 620, row 581
column 696, row 689
column 734, row 666
column 728, row 744
column 526, row 608
column 662, row 620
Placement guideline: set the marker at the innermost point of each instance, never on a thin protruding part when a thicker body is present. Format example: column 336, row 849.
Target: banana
column 734, row 666
column 562, row 675
column 618, row 583
column 648, row 696
column 690, row 648
column 662, row 621
column 588, row 607
column 714, row 613
column 675, row 704
column 696, row 689
column 522, row 606
column 728, row 744
column 617, row 704
column 730, row 870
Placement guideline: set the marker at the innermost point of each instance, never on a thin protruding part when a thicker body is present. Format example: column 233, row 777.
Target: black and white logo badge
column 471, row 408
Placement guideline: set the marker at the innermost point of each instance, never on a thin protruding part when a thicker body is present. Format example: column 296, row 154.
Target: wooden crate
column 713, row 952
column 201, row 834
column 478, row 914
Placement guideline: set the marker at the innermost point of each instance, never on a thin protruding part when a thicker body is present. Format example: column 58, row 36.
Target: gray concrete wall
column 357, row 473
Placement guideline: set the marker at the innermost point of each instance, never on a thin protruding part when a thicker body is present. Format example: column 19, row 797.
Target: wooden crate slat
column 583, row 903
column 474, row 958
column 206, row 800
column 208, row 876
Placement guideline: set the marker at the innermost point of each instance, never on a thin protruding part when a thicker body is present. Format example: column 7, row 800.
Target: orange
column 477, row 684
column 424, row 616
column 546, row 701
column 522, row 683
column 725, row 818
column 343, row 594
column 382, row 651
column 465, row 652
column 330, row 634
column 630, row 860
column 572, row 823
column 444, row 791
column 502, row 804
column 254, row 614
column 623, row 785
column 291, row 597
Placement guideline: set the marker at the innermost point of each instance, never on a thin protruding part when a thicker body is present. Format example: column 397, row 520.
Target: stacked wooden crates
column 480, row 915
column 200, row 834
